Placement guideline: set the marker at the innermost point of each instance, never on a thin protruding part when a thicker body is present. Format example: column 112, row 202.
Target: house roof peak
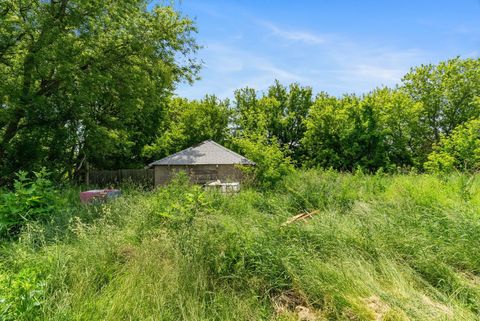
column 207, row 152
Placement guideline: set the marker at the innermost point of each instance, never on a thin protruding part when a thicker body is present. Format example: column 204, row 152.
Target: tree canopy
column 458, row 151
column 88, row 81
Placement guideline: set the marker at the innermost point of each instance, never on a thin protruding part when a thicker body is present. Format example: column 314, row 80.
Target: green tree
column 325, row 128
column 397, row 119
column 87, row 80
column 447, row 92
column 279, row 115
column 375, row 131
column 458, row 151
column 189, row 122
column 288, row 112
column 271, row 162
column 249, row 115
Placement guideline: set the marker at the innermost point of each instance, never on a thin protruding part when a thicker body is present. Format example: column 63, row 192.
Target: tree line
column 92, row 82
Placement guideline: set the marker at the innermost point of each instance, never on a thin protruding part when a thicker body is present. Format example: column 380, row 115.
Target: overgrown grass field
column 381, row 247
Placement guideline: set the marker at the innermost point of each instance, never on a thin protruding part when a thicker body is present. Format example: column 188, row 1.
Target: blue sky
column 333, row 46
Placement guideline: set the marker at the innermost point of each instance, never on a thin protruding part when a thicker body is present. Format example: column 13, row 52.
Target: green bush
column 32, row 199
column 271, row 163
column 458, row 151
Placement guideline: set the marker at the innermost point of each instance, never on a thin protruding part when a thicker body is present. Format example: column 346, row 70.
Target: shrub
column 31, row 200
column 271, row 163
column 460, row 150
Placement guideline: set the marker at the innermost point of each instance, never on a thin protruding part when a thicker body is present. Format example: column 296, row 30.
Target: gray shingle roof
column 205, row 153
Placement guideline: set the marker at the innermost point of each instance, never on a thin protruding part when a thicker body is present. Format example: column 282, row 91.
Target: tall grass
column 380, row 248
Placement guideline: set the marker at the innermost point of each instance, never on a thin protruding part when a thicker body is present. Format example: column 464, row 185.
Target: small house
column 205, row 162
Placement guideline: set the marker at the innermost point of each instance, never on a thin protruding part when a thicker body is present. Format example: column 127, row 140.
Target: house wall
column 199, row 173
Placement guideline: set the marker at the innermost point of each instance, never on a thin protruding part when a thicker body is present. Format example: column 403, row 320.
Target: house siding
column 199, row 174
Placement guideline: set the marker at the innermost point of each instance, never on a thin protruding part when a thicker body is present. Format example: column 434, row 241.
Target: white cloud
column 302, row 36
column 228, row 59
column 344, row 62
column 330, row 62
column 228, row 68
column 362, row 64
column 370, row 72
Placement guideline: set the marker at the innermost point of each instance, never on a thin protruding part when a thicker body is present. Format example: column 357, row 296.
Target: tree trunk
column 19, row 113
column 11, row 131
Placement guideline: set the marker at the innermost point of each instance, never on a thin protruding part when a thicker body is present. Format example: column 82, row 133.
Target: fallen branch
column 300, row 217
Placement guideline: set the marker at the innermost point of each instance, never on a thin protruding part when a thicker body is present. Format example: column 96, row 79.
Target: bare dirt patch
column 437, row 306
column 293, row 303
column 378, row 307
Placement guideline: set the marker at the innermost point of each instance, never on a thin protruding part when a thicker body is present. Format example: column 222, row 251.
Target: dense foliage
column 380, row 247
column 92, row 83
column 82, row 82
column 388, row 129
column 187, row 123
column 271, row 162
column 32, row 199
column 460, row 150
column 86, row 81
